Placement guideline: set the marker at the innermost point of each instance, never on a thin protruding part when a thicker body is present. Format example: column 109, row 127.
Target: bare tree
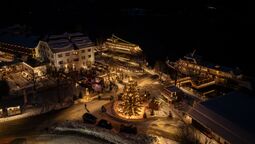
column 187, row 135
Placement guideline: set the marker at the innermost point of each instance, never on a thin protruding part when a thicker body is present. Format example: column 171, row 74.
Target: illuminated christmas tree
column 131, row 100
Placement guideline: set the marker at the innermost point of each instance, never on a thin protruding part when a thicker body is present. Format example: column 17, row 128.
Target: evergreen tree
column 131, row 100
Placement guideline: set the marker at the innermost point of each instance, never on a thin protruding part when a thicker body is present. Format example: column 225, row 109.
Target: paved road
column 37, row 124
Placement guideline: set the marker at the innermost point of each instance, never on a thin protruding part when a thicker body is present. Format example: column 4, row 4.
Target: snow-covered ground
column 103, row 134
column 35, row 111
column 62, row 139
column 162, row 140
column 163, row 111
column 72, row 139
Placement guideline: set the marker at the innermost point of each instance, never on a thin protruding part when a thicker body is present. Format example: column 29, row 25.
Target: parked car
column 128, row 129
column 89, row 118
column 154, row 77
column 104, row 124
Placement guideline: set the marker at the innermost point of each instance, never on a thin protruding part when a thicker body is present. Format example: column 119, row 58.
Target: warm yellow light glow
column 118, row 110
column 130, row 79
column 12, row 108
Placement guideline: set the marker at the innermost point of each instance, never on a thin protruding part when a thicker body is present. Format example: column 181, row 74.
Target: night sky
column 219, row 30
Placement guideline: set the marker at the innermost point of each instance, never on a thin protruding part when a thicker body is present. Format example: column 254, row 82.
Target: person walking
column 85, row 105
column 103, row 109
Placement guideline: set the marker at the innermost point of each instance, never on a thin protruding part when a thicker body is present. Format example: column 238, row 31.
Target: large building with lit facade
column 119, row 45
column 68, row 50
column 123, row 52
column 192, row 65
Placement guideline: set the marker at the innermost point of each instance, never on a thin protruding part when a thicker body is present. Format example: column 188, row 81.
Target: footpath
column 33, row 111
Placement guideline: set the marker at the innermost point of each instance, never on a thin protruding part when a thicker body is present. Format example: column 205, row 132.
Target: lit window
column 75, row 53
column 60, row 55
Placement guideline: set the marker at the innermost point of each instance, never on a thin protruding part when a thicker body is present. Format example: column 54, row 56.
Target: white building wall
column 75, row 58
column 79, row 58
column 37, row 53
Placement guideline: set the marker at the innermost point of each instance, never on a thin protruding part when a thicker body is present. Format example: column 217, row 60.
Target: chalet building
column 119, row 45
column 68, row 50
column 127, row 54
column 192, row 65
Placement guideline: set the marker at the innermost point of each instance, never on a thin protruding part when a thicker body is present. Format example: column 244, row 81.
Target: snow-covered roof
column 69, row 41
column 229, row 116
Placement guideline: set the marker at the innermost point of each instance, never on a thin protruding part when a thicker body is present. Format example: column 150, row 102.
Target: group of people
column 103, row 109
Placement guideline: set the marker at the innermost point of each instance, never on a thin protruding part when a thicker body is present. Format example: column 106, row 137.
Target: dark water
column 218, row 30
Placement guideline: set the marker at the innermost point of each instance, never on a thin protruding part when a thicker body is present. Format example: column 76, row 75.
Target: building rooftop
column 2, row 64
column 60, row 45
column 201, row 62
column 34, row 63
column 173, row 89
column 68, row 41
column 76, row 34
column 230, row 116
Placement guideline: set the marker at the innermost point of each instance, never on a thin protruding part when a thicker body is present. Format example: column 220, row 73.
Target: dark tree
column 4, row 89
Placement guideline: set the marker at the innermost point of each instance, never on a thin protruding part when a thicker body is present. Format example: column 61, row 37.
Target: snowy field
column 63, row 139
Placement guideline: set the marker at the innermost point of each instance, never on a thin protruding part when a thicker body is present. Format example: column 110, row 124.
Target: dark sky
column 219, row 30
